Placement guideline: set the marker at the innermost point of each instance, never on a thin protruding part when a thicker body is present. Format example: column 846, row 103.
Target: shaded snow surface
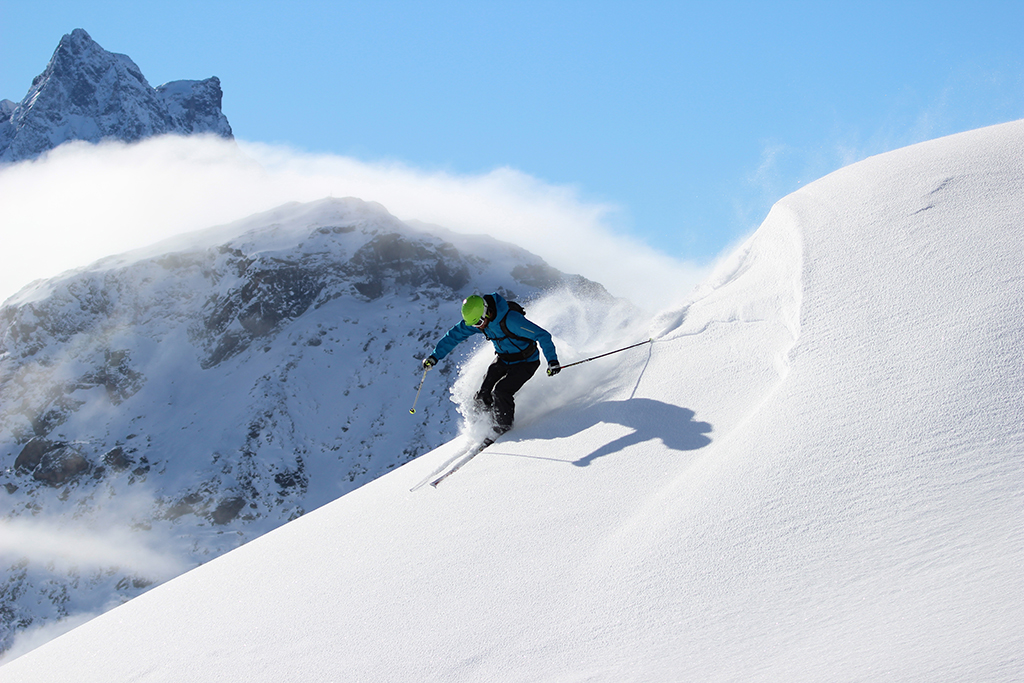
column 813, row 474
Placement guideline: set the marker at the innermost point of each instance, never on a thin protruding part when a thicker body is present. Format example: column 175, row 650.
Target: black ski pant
column 497, row 393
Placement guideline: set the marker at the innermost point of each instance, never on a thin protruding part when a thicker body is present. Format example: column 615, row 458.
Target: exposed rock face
column 59, row 465
column 87, row 93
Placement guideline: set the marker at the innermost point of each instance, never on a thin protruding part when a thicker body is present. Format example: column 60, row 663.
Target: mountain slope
column 813, row 474
column 173, row 403
column 86, row 93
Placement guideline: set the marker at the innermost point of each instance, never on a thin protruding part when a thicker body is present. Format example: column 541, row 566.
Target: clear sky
column 691, row 118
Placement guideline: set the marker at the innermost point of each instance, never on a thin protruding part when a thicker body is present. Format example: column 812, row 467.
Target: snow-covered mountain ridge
column 197, row 393
column 86, row 93
column 814, row 473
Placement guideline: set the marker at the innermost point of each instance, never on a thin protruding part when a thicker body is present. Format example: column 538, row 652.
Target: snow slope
column 813, row 474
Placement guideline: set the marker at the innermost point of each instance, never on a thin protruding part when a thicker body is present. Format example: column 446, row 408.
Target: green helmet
column 473, row 310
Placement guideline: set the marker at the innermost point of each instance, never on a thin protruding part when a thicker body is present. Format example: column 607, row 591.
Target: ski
column 472, row 454
column 445, row 465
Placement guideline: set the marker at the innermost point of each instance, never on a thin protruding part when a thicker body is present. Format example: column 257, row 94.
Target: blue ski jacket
column 514, row 337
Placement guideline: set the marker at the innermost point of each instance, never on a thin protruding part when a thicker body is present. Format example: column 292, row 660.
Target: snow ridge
column 691, row 512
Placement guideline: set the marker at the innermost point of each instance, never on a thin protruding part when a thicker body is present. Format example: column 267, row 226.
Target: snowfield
column 814, row 473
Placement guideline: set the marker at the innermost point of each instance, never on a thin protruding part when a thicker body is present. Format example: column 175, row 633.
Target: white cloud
column 96, row 546
column 83, row 202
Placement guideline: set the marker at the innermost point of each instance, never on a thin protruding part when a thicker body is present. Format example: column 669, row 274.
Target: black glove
column 429, row 362
column 553, row 368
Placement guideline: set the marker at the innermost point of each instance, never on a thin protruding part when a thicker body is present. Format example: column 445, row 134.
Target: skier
column 515, row 342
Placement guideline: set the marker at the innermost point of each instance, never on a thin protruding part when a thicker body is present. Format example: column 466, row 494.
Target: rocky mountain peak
column 87, row 93
column 207, row 389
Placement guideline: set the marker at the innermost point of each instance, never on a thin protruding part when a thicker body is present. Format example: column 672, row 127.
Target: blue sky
column 691, row 118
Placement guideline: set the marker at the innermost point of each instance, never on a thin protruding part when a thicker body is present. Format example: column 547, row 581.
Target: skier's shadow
column 649, row 419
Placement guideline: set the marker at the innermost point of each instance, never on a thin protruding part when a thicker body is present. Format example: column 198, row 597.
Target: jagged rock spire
column 87, row 93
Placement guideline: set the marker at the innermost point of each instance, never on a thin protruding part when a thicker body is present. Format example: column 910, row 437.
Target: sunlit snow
column 814, row 473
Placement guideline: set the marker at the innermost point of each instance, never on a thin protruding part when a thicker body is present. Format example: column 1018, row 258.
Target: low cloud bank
column 83, row 202
column 89, row 547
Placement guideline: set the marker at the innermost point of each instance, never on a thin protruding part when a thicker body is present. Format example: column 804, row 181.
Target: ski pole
column 626, row 348
column 412, row 411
